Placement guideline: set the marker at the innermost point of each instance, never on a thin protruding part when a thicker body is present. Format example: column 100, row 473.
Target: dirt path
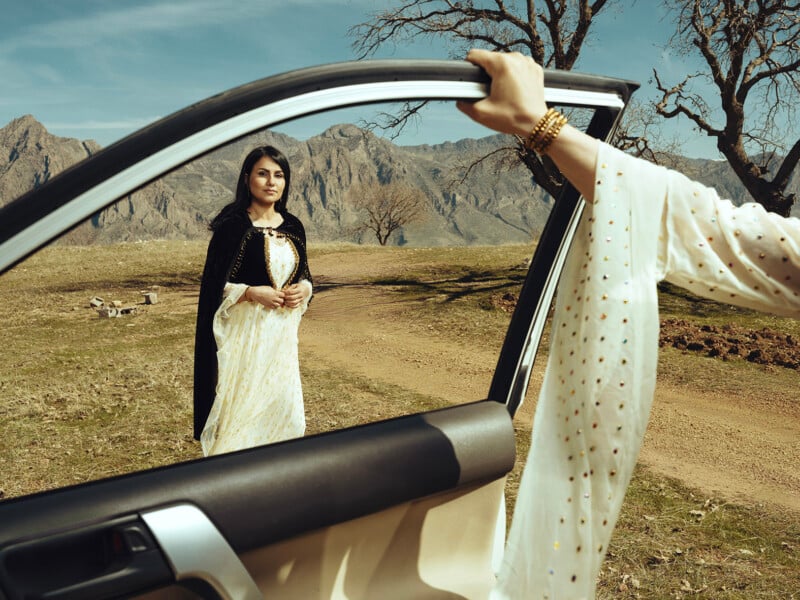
column 728, row 447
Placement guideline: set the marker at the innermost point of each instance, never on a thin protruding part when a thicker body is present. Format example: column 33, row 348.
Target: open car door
column 406, row 507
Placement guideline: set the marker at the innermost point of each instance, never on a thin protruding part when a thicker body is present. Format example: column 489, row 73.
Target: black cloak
column 235, row 254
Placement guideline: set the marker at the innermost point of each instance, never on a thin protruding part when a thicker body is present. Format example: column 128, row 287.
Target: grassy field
column 83, row 398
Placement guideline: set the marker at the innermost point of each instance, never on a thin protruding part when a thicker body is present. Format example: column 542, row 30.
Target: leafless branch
column 396, row 122
column 492, row 158
column 752, row 52
column 387, row 208
column 553, row 32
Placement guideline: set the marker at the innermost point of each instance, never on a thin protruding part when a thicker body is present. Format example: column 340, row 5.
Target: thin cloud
column 155, row 17
column 119, row 23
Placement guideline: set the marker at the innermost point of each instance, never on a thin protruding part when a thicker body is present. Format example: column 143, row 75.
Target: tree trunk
column 771, row 195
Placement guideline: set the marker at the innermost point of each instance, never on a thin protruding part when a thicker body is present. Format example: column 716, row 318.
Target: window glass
column 97, row 371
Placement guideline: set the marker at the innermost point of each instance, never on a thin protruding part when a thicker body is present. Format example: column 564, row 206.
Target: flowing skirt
column 259, row 399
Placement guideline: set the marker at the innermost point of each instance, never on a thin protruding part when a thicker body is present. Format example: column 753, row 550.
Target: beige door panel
column 439, row 547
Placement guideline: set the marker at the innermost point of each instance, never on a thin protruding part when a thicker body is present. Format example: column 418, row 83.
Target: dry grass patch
column 83, row 398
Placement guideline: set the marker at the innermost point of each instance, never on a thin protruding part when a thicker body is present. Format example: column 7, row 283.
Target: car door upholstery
column 405, row 506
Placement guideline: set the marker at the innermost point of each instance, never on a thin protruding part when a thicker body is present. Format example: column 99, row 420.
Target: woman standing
column 255, row 288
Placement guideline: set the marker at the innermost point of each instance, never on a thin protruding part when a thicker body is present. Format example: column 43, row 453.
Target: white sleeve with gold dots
column 742, row 255
column 646, row 224
column 598, row 388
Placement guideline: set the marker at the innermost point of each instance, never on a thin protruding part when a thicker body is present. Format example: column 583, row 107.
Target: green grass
column 692, row 372
column 695, row 372
column 83, row 397
column 457, row 289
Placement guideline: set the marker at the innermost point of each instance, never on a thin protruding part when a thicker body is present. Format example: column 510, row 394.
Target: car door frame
column 470, row 444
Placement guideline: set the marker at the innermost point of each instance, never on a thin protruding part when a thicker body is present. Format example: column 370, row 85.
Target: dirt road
column 732, row 448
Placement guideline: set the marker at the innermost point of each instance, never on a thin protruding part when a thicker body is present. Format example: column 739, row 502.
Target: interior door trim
column 276, row 492
column 196, row 549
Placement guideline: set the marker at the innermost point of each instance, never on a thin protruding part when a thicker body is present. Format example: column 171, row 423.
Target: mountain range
column 494, row 201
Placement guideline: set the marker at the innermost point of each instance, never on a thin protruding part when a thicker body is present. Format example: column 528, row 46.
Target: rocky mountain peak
column 30, row 155
column 489, row 203
column 22, row 129
column 344, row 131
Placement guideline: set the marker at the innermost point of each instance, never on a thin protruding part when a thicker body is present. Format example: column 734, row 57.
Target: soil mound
column 730, row 342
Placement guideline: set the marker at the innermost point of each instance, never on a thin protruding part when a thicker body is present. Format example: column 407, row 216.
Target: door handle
column 107, row 560
column 126, row 556
column 196, row 549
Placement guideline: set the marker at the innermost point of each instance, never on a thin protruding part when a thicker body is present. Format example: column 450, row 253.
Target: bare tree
column 752, row 50
column 553, row 34
column 387, row 207
column 641, row 133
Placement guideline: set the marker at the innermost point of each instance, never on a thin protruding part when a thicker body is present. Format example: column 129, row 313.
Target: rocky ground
column 729, row 342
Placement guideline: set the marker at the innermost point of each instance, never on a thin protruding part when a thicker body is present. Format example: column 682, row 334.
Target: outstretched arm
column 516, row 104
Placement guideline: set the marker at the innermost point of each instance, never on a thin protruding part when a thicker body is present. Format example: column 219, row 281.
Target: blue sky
column 97, row 69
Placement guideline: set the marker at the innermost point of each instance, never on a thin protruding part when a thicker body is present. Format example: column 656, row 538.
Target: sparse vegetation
column 83, row 397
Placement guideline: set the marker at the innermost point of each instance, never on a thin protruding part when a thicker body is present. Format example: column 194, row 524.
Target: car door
column 408, row 507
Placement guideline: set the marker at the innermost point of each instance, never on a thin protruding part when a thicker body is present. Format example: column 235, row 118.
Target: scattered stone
column 151, row 298
column 116, row 303
column 96, row 302
column 110, row 312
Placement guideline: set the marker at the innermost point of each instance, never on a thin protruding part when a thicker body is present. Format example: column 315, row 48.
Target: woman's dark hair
column 241, row 200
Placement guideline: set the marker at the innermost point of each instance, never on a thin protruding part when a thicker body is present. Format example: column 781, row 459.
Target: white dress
column 647, row 224
column 259, row 398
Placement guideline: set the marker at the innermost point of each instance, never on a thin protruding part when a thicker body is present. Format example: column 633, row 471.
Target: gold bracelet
column 247, row 289
column 550, row 135
column 540, row 127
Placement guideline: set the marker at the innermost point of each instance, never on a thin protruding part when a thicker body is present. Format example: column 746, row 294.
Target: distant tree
column 752, row 51
column 386, row 207
column 553, row 34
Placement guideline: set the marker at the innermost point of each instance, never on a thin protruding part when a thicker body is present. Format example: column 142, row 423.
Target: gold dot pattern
column 647, row 223
column 737, row 255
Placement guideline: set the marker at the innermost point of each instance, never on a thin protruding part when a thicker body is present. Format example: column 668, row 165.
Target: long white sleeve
column 646, row 224
column 736, row 255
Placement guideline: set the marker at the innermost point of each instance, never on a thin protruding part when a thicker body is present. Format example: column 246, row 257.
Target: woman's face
column 266, row 182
